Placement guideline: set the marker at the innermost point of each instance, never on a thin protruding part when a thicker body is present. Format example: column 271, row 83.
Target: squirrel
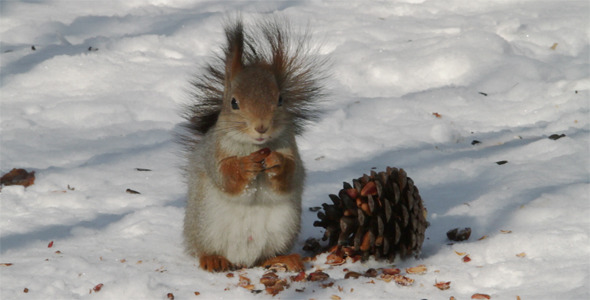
column 245, row 175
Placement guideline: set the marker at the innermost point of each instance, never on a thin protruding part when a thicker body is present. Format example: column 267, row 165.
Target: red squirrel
column 245, row 176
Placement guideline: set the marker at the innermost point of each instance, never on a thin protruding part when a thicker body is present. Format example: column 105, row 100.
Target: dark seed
column 318, row 276
column 352, row 274
column 312, row 245
column 130, row 191
column 370, row 273
column 556, row 136
column 459, row 234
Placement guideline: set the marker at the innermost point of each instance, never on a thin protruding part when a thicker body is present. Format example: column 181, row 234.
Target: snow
column 101, row 95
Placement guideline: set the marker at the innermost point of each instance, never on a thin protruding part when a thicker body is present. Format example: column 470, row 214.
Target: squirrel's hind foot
column 292, row 262
column 215, row 263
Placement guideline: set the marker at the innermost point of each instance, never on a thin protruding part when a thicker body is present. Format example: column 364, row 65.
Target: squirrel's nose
column 261, row 129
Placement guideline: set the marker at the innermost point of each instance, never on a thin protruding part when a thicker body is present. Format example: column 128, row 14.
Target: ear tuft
column 235, row 50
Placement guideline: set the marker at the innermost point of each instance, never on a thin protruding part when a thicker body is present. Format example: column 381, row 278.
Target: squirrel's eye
column 280, row 101
column 234, row 103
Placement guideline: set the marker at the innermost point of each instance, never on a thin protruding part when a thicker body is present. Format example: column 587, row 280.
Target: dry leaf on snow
column 18, row 177
column 483, row 237
column 97, row 287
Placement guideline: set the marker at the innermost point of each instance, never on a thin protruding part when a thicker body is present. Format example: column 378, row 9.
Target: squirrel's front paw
column 237, row 172
column 280, row 169
column 273, row 163
column 253, row 164
column 215, row 263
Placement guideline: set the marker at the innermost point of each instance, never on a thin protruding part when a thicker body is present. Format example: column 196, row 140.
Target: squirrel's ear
column 235, row 39
column 236, row 63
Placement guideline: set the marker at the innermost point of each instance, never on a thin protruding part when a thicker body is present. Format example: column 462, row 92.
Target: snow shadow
column 94, row 33
column 56, row 232
column 91, row 33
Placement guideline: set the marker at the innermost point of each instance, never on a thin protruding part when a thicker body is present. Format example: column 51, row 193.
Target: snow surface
column 100, row 96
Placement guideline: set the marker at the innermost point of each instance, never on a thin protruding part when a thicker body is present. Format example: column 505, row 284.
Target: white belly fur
column 255, row 225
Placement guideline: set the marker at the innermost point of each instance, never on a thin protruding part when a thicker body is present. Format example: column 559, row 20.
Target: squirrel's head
column 253, row 105
column 264, row 86
column 252, row 109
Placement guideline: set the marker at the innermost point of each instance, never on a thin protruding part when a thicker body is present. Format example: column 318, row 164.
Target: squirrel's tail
column 297, row 66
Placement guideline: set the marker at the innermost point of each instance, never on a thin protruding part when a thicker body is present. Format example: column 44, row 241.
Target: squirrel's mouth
column 260, row 140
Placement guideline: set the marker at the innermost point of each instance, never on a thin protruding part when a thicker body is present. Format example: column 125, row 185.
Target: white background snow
column 100, row 96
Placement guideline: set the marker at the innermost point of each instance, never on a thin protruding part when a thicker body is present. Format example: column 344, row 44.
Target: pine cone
column 381, row 215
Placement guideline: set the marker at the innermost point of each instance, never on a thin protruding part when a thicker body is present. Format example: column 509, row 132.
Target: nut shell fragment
column 391, row 271
column 371, row 273
column 403, row 280
column 317, row 276
column 421, row 269
column 97, row 287
column 334, row 259
column 277, row 287
column 441, row 285
column 269, row 279
column 299, row 277
column 245, row 282
column 352, row 274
